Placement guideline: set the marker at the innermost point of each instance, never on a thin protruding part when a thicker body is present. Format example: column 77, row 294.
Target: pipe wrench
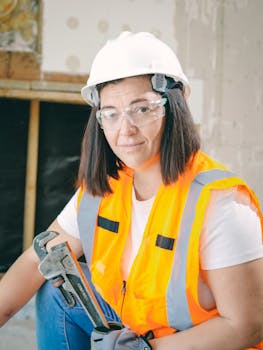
column 60, row 262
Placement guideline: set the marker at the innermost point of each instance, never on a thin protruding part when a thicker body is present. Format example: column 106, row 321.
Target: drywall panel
column 73, row 31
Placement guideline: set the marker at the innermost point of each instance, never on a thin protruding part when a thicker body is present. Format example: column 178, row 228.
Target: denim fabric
column 60, row 327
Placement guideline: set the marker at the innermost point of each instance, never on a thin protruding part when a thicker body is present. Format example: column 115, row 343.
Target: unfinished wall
column 221, row 43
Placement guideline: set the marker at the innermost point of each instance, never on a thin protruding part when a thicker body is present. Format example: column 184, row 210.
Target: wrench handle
column 77, row 283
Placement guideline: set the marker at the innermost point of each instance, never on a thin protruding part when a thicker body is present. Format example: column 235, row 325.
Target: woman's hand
column 23, row 279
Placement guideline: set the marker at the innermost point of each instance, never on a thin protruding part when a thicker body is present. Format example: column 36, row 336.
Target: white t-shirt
column 231, row 232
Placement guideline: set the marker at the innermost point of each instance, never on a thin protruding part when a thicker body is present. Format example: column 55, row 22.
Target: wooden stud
column 31, row 175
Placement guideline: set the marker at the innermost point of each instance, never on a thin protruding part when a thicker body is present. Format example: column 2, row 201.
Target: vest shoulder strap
column 212, row 175
column 87, row 221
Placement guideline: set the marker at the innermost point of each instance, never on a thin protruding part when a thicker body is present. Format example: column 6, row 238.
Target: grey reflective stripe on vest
column 87, row 221
column 176, row 299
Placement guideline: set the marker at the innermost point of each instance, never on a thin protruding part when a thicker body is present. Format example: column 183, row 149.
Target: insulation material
column 19, row 25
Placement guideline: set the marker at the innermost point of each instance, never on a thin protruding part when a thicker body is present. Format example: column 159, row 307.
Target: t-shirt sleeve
column 67, row 219
column 231, row 232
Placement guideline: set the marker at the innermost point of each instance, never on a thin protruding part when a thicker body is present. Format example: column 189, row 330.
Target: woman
column 175, row 245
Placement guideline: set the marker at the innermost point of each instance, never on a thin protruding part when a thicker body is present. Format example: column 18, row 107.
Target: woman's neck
column 147, row 180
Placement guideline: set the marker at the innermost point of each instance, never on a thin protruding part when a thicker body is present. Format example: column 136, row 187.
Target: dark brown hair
column 180, row 141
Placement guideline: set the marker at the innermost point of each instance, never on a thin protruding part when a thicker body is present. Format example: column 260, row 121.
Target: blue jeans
column 61, row 327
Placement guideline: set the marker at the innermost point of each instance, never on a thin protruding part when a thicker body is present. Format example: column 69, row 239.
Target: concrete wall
column 219, row 43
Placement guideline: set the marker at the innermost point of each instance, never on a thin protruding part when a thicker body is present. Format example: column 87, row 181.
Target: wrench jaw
column 40, row 242
column 48, row 266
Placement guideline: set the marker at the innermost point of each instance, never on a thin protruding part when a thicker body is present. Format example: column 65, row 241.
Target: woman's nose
column 126, row 125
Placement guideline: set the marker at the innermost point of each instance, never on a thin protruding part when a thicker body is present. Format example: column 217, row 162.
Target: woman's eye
column 141, row 109
column 110, row 114
column 144, row 109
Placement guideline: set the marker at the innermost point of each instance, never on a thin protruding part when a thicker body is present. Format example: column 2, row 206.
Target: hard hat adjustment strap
column 162, row 83
column 159, row 82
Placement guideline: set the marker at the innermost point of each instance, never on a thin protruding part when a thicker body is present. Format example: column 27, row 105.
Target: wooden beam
column 24, row 65
column 48, row 96
column 31, row 175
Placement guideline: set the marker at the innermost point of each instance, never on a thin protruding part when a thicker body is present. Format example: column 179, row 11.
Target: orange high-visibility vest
column 161, row 293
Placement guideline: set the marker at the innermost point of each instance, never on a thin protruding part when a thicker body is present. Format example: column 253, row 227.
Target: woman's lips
column 131, row 146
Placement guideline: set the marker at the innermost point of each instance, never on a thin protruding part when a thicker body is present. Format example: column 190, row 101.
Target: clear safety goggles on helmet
column 139, row 114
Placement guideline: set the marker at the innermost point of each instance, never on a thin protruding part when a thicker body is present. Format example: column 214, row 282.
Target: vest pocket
column 164, row 242
column 108, row 224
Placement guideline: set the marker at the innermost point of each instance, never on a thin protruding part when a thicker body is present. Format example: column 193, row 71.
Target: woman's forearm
column 217, row 334
column 19, row 284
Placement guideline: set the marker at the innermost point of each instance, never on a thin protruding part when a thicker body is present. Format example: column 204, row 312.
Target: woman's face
column 134, row 146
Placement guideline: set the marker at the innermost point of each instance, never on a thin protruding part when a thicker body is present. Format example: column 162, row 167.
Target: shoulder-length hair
column 180, row 141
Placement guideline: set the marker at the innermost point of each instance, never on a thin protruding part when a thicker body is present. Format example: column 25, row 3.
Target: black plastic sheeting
column 14, row 116
column 61, row 130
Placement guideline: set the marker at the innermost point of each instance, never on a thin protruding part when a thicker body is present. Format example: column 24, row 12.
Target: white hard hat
column 132, row 54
